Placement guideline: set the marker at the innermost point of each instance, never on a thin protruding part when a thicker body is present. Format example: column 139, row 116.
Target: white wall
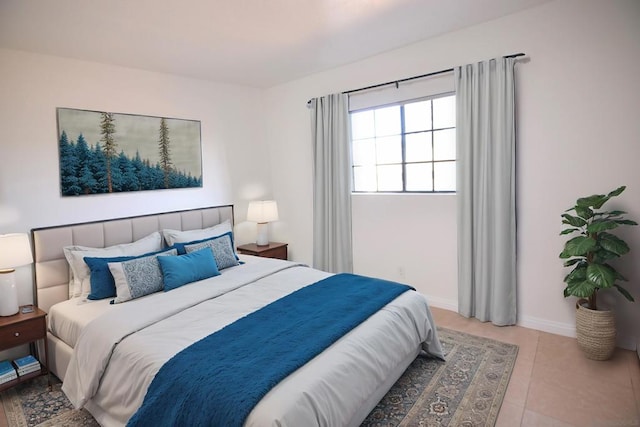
column 578, row 129
column 578, row 133
column 32, row 86
column 399, row 237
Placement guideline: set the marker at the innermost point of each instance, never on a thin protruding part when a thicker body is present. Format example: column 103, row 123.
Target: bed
column 110, row 356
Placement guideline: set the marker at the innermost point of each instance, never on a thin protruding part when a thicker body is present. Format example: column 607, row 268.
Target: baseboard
column 558, row 328
column 550, row 326
column 447, row 304
column 628, row 343
column 569, row 330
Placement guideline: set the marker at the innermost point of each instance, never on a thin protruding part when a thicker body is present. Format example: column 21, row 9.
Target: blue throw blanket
column 218, row 380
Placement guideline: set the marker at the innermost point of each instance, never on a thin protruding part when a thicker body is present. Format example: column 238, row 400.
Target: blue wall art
column 103, row 152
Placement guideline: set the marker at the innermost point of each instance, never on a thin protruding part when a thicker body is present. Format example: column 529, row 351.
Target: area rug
column 466, row 390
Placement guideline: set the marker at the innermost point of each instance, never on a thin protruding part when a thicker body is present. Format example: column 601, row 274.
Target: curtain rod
column 397, row 82
column 435, row 73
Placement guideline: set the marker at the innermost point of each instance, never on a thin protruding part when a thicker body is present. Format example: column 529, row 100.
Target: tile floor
column 553, row 384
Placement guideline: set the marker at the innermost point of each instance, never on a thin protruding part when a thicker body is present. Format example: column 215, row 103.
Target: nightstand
column 25, row 328
column 272, row 250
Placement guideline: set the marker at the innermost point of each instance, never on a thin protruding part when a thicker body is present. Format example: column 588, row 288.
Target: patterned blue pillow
column 222, row 247
column 102, row 283
column 138, row 277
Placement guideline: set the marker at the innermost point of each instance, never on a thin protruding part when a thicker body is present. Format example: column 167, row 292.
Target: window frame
column 403, row 135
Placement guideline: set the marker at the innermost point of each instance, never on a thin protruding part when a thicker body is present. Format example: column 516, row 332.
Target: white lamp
column 263, row 212
column 15, row 251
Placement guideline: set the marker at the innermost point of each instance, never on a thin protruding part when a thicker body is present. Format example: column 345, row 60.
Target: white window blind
column 414, row 89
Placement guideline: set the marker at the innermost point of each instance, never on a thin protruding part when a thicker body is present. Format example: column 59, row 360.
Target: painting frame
column 102, row 152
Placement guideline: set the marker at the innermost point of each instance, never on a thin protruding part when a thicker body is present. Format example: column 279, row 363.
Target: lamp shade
column 15, row 251
column 262, row 211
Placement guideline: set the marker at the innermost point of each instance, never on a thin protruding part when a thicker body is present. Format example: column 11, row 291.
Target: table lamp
column 15, row 251
column 263, row 212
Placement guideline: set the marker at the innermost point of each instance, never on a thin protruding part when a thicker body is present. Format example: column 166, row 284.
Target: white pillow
column 176, row 236
column 80, row 285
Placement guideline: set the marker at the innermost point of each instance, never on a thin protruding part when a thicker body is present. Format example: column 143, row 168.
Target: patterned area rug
column 32, row 404
column 465, row 391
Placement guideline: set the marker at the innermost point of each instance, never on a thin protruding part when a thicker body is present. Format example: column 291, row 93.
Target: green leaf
column 582, row 289
column 566, row 292
column 569, row 230
column 602, row 255
column 618, row 275
column 578, row 246
column 615, row 213
column 573, row 220
column 617, row 191
column 613, row 244
column 572, row 262
column 624, row 292
column 626, row 222
column 601, row 225
column 584, row 212
column 601, row 275
column 595, row 201
column 578, row 274
column 600, row 203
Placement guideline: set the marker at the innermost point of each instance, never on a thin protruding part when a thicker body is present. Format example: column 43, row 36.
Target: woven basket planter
column 596, row 332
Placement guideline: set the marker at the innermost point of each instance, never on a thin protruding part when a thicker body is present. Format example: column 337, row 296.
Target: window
column 406, row 147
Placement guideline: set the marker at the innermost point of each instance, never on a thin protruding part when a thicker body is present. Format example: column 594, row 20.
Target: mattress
column 68, row 318
column 123, row 347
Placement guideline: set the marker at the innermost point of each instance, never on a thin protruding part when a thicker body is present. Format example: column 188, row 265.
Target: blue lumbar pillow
column 180, row 270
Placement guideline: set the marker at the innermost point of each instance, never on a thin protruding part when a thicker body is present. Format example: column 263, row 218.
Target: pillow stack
column 128, row 271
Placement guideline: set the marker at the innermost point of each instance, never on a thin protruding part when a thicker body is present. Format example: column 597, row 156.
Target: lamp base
column 8, row 293
column 262, row 238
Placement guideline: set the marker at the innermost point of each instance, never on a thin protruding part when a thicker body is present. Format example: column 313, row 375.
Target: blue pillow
column 138, row 277
column 183, row 250
column 102, row 283
column 180, row 270
column 222, row 247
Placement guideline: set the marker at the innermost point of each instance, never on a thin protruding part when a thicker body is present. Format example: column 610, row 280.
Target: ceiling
column 259, row 43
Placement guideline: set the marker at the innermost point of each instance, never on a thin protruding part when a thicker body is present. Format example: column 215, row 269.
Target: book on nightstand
column 26, row 365
column 7, row 372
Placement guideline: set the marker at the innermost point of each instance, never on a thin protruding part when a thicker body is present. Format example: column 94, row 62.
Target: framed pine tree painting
column 102, row 152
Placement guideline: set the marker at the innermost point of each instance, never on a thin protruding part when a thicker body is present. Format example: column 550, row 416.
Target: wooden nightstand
column 21, row 329
column 272, row 250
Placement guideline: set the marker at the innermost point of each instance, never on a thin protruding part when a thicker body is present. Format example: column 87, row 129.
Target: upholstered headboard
column 51, row 269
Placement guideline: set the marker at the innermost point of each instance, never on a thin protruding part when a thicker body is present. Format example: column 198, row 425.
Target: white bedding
column 119, row 352
column 68, row 318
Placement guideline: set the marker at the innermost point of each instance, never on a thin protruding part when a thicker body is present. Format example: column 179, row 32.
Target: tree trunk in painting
column 165, row 152
column 107, row 129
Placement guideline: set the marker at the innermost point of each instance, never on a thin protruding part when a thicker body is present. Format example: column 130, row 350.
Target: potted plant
column 589, row 253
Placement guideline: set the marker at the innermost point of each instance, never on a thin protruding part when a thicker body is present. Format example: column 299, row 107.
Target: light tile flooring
column 552, row 383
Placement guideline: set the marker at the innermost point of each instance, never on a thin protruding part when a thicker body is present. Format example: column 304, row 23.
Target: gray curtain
column 485, row 128
column 332, row 247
